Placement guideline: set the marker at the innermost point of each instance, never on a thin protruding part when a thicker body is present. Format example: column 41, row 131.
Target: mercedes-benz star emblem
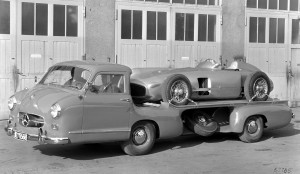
column 25, row 120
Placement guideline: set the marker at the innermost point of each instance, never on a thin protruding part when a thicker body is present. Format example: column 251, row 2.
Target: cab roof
column 95, row 66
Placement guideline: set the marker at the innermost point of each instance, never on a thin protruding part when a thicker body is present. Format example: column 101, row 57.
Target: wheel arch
column 239, row 118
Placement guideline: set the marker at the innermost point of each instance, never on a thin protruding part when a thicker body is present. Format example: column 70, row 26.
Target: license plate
column 20, row 136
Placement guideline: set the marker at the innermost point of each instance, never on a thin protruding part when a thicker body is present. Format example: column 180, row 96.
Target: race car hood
column 146, row 74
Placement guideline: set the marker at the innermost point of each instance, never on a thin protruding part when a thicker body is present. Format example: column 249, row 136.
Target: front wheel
column 176, row 89
column 142, row 138
column 253, row 130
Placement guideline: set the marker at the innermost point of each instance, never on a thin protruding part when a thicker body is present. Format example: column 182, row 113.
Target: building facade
column 35, row 34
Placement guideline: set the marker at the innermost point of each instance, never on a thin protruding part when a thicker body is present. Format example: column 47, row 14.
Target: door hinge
column 84, row 12
column 221, row 20
column 116, row 15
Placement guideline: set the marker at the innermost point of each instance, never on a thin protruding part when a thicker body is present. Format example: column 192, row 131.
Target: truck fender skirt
column 274, row 116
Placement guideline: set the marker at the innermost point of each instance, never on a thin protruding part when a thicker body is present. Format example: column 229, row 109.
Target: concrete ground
column 277, row 153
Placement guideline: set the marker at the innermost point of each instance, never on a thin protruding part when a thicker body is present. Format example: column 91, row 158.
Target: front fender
column 275, row 116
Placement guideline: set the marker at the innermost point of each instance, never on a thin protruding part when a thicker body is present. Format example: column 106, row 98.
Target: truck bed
column 227, row 103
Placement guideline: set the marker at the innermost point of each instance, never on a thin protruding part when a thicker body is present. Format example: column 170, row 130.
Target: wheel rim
column 252, row 127
column 201, row 119
column 179, row 91
column 260, row 88
column 139, row 136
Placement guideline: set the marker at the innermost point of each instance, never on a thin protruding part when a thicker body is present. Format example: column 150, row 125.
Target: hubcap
column 139, row 136
column 260, row 88
column 179, row 91
column 252, row 127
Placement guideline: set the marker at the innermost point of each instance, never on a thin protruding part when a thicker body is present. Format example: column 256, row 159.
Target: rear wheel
column 253, row 130
column 176, row 89
column 257, row 86
column 141, row 140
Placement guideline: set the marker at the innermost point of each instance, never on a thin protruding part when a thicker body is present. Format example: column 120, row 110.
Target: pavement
column 278, row 152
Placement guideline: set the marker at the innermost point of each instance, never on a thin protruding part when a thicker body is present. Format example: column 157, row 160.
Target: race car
column 207, row 81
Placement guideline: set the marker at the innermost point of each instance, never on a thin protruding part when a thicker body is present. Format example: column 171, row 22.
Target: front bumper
column 41, row 136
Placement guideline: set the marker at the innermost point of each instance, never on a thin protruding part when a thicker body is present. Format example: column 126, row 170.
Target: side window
column 108, row 83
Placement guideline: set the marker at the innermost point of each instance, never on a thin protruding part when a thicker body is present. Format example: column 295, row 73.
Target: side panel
column 277, row 116
column 167, row 118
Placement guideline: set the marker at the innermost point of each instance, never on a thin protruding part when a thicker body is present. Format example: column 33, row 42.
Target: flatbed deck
column 226, row 103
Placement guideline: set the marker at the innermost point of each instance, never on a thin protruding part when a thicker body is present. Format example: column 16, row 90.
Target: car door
column 107, row 107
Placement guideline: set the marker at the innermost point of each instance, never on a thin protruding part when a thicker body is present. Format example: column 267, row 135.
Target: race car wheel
column 257, row 86
column 201, row 123
column 141, row 140
column 176, row 89
column 253, row 130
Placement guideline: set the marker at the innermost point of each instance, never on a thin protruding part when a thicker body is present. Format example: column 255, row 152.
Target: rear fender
column 274, row 116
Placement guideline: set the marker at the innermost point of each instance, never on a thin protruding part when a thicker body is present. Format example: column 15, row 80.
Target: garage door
column 160, row 33
column 35, row 35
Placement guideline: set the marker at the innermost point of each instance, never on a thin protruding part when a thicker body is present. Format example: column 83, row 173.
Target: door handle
column 125, row 99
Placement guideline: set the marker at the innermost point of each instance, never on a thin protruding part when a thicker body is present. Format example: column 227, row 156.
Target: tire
column 201, row 123
column 176, row 89
column 142, row 138
column 253, row 130
column 257, row 83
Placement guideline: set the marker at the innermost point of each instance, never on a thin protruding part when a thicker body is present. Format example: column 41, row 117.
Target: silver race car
column 207, row 81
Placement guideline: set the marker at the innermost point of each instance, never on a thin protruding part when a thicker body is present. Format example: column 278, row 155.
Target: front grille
column 30, row 120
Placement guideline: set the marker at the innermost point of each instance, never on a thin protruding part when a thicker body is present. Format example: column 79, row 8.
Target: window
column 257, row 30
column 72, row 20
column 277, row 27
column 137, row 25
column 65, row 20
column 131, row 24
column 262, row 4
column 108, row 83
column 5, row 17
column 34, row 19
column 184, row 29
column 156, row 25
column 251, row 3
column 294, row 5
column 295, row 31
column 283, row 4
column 190, row 1
column 177, row 1
column 271, row 4
column 207, row 28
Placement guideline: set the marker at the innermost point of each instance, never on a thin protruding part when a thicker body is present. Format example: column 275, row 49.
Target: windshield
column 66, row 76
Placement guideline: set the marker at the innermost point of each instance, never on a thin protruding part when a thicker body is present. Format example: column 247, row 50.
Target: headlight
column 55, row 110
column 12, row 101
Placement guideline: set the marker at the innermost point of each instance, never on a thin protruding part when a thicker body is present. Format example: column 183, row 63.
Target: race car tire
column 253, row 130
column 201, row 123
column 257, row 86
column 176, row 89
column 142, row 138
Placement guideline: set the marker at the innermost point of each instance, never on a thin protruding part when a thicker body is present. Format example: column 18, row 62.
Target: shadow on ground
column 106, row 150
